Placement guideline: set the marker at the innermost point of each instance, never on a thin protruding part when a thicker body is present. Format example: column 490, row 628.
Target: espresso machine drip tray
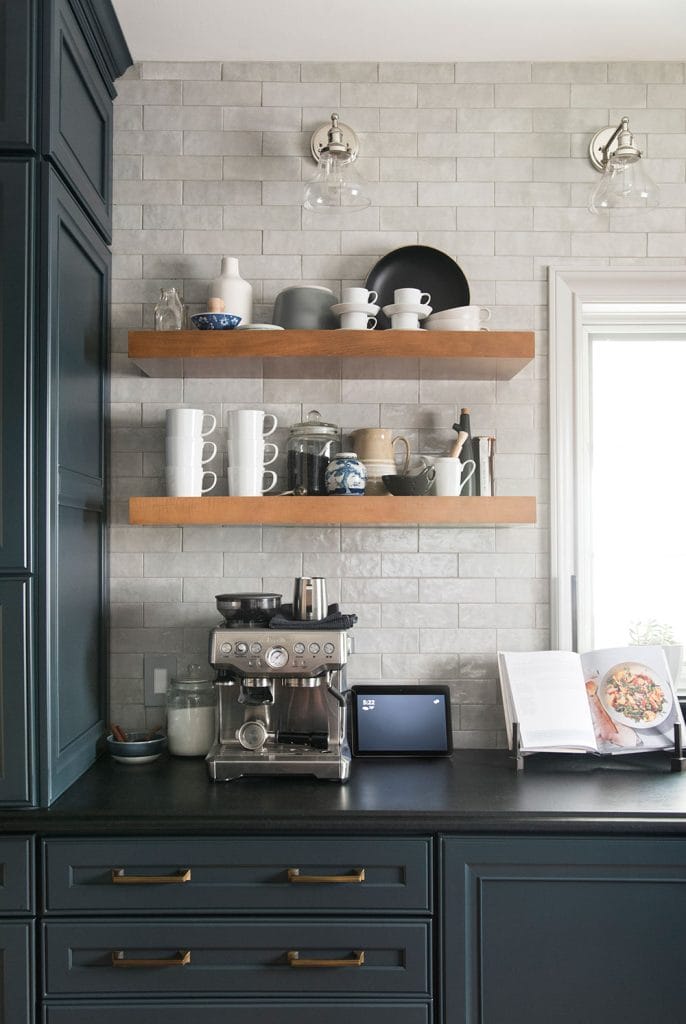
column 281, row 703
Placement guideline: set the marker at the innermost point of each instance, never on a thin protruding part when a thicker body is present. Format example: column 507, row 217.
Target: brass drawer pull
column 119, row 878
column 356, row 960
column 182, row 958
column 295, row 876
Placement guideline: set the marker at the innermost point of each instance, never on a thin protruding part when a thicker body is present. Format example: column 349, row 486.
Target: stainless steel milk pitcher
column 309, row 598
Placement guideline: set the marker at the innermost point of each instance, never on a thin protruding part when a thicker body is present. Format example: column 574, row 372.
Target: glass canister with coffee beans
column 311, row 446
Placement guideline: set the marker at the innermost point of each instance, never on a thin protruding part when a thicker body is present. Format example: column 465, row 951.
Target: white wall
column 484, row 161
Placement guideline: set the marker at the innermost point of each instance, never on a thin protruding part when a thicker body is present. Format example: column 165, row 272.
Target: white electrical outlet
column 159, row 669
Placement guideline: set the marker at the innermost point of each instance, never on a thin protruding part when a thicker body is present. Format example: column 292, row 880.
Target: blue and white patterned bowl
column 216, row 321
column 345, row 474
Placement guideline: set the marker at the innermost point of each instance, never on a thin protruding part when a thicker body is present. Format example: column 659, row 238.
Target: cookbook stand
column 677, row 761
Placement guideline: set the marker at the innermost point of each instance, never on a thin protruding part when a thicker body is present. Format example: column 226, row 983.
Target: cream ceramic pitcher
column 377, row 447
column 377, row 444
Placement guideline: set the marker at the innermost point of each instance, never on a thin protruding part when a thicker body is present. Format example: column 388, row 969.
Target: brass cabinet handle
column 120, row 878
column 295, row 876
column 356, row 960
column 182, row 958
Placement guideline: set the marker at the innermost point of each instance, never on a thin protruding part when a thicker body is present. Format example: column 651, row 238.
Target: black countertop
column 475, row 791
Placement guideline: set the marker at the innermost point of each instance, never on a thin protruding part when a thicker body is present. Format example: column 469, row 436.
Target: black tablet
column 401, row 721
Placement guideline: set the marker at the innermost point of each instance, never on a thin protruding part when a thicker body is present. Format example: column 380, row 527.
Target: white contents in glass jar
column 190, row 731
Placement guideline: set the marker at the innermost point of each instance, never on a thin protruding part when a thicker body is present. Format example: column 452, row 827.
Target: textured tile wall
column 486, row 161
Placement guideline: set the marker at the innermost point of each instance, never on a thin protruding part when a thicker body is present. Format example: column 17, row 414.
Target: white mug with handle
column 449, row 481
column 184, row 449
column 188, row 481
column 189, row 422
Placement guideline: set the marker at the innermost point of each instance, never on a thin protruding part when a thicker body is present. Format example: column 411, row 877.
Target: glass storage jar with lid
column 191, row 714
column 311, row 446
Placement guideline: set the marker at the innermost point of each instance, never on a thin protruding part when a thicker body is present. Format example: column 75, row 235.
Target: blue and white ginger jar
column 345, row 475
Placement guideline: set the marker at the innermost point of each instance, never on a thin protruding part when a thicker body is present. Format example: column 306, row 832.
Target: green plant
column 651, row 632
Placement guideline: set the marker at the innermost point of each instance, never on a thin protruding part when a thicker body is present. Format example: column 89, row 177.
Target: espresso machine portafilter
column 281, row 701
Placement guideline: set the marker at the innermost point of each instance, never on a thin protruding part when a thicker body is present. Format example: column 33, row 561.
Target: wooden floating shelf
column 468, row 355
column 286, row 510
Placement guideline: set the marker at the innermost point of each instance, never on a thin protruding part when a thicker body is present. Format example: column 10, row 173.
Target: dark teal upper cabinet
column 17, row 74
column 16, row 331
column 77, row 129
column 15, row 692
column 71, row 388
column 59, row 60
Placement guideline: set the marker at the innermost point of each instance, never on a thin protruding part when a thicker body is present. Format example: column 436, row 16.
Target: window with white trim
column 618, row 373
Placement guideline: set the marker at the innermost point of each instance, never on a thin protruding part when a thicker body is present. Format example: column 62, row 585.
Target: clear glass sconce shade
column 336, row 184
column 624, row 185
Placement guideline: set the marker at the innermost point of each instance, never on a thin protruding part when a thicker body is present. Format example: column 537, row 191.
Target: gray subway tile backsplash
column 483, row 160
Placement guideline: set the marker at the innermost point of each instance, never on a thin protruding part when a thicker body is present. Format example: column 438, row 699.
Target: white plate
column 258, row 327
column 146, row 759
column 407, row 307
column 355, row 307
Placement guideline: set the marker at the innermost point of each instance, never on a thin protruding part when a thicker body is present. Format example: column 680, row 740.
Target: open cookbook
column 616, row 701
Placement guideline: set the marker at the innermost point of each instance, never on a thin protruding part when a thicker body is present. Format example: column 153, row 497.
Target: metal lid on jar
column 314, row 426
column 194, row 679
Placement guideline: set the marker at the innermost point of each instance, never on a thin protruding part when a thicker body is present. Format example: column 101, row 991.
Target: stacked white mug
column 247, row 452
column 187, row 451
column 409, row 306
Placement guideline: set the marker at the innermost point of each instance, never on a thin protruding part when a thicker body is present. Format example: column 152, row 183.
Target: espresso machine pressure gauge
column 276, row 657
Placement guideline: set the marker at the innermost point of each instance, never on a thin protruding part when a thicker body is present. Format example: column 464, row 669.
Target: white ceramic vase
column 233, row 290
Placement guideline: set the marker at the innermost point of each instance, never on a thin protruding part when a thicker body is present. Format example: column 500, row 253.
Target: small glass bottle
column 170, row 312
column 191, row 714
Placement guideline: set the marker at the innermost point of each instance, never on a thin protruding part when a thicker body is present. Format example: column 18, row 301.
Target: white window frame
column 569, row 393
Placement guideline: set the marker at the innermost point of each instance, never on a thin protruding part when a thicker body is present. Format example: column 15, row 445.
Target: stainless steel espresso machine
column 281, row 696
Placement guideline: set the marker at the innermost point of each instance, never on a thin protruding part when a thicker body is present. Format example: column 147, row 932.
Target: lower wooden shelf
column 286, row 510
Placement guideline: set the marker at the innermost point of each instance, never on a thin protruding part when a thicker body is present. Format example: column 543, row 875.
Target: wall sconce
column 336, row 183
column 625, row 183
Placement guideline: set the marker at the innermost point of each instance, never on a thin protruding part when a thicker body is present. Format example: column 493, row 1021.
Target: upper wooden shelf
column 384, row 510
column 467, row 355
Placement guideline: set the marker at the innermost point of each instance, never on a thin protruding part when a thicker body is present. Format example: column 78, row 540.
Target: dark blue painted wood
column 15, row 694
column 241, row 956
column 18, row 37
column 77, row 128
column 16, row 875
column 71, row 641
column 16, row 972
column 233, row 874
column 16, row 343
column 542, row 930
column 299, row 1012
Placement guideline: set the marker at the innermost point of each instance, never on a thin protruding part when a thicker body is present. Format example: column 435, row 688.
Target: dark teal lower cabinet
column 241, row 1013
column 17, row 940
column 562, row 931
column 16, row 972
column 203, row 930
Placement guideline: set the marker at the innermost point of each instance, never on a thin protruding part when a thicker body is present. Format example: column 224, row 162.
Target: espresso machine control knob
column 329, row 649
column 241, row 647
column 252, row 735
column 299, row 647
column 276, row 657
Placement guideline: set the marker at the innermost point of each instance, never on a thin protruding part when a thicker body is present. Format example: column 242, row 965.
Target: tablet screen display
column 404, row 720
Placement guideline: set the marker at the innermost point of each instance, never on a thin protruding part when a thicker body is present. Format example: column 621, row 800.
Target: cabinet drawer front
column 242, row 1013
column 16, row 972
column 128, row 957
column 16, row 873
column 238, row 875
